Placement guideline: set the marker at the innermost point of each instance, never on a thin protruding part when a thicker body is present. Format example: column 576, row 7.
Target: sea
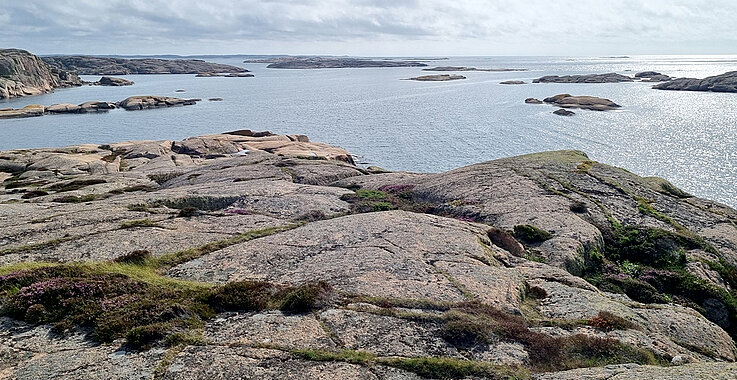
column 689, row 138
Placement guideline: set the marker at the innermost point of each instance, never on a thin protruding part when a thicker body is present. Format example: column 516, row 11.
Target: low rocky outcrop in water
column 331, row 63
column 113, row 81
column 465, row 68
column 563, row 112
column 726, row 82
column 533, row 101
column 85, row 65
column 437, row 78
column 652, row 76
column 589, row 78
column 250, row 255
column 24, row 74
column 231, row 75
column 584, row 102
column 513, row 82
column 131, row 104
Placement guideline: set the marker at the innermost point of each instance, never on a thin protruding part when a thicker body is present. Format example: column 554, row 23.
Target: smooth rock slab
column 384, row 254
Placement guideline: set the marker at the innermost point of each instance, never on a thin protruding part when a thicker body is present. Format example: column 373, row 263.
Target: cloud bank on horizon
column 371, row 27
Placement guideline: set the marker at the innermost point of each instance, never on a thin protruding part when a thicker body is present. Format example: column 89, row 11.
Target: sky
column 370, row 27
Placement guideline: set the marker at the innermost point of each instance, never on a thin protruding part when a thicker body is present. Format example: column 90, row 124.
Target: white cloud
column 410, row 26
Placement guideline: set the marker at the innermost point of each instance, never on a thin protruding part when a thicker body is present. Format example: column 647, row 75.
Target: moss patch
column 531, row 234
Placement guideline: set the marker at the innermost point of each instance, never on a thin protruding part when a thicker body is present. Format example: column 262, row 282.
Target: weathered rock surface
column 113, row 81
column 588, row 78
column 85, row 65
column 441, row 244
column 726, row 82
column 24, row 74
column 331, row 63
column 437, row 78
column 584, row 102
column 465, row 68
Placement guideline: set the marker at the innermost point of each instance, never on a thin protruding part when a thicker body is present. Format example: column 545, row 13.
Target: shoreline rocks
column 24, row 74
column 132, row 103
column 726, row 82
column 437, row 78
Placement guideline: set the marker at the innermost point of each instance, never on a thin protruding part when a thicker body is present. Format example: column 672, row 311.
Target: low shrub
column 531, row 234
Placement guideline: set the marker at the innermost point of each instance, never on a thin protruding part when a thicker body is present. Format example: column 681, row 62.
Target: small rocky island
column 132, row 103
column 645, row 76
column 437, row 78
column 726, row 82
column 24, row 74
column 86, row 65
column 331, row 63
column 252, row 255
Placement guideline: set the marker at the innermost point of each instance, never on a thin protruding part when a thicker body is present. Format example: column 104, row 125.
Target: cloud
column 185, row 26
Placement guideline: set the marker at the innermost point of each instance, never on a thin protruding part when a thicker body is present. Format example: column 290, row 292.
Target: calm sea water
column 689, row 138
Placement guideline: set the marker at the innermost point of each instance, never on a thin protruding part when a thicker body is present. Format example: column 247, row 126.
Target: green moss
column 452, row 368
column 531, row 234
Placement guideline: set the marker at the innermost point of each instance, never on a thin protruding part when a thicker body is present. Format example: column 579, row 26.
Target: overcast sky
column 370, row 27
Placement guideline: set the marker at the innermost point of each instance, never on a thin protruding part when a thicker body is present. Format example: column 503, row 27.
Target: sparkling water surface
column 689, row 138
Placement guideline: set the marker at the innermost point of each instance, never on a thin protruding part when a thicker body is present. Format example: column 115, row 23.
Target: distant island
column 87, row 65
column 331, row 63
column 464, row 68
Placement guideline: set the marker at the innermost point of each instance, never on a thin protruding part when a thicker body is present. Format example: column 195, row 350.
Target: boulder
column 96, row 106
